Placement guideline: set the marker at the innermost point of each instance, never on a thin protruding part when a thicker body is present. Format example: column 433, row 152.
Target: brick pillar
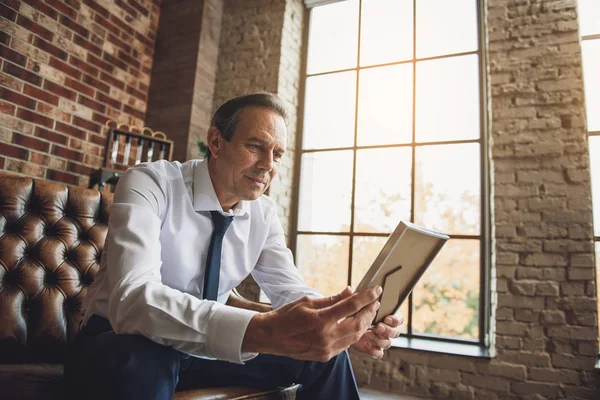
column 260, row 49
column 183, row 76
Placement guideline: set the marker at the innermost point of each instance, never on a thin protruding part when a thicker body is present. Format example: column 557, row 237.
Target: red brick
column 7, row 108
column 40, row 94
column 74, row 26
column 9, row 150
column 147, row 42
column 21, row 73
column 143, row 87
column 59, row 90
column 146, row 70
column 63, row 8
column 79, row 168
column 129, row 60
column 25, row 168
column 2, row 159
column 139, row 7
column 35, row 117
column 80, row 87
column 30, row 142
column 86, row 44
column 61, row 176
column 115, row 61
column 105, row 23
column 94, row 105
column 50, row 135
column 133, row 111
column 136, row 93
column 96, row 7
column 17, row 98
column 90, row 126
column 100, row 118
column 70, row 130
column 67, row 153
column 43, row 7
column 7, row 13
column 99, row 63
column 130, row 10
column 124, row 27
column 114, row 40
column 13, row 56
column 98, row 139
column 49, row 48
column 4, row 38
column 82, row 65
column 64, row 67
column 35, row 28
column 53, row 112
column 39, row 158
column 96, row 84
column 113, row 81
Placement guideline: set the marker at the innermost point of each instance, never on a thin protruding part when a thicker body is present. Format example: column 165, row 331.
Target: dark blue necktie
column 213, row 260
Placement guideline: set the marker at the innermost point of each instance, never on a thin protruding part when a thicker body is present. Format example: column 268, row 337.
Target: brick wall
column 546, row 334
column 66, row 67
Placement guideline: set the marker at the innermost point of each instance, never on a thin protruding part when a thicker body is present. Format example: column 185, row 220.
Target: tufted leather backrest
column 51, row 239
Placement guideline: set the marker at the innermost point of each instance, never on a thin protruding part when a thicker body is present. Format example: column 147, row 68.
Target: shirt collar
column 205, row 197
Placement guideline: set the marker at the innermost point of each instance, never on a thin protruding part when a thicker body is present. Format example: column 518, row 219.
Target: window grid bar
column 594, row 133
column 388, row 146
column 591, row 37
column 392, row 63
column 353, row 189
column 374, row 234
column 485, row 224
column 409, row 328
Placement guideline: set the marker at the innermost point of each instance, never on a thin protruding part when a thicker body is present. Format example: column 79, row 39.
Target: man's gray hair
column 227, row 117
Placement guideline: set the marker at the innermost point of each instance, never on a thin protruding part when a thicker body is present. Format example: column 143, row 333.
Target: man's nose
column 266, row 161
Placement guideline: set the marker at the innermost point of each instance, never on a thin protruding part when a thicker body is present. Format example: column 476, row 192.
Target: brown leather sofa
column 51, row 239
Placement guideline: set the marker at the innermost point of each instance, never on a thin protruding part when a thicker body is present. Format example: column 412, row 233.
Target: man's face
column 245, row 166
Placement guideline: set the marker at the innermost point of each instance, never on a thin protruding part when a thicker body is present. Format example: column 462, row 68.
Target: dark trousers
column 104, row 365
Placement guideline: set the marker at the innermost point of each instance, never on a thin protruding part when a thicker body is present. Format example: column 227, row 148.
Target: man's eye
column 277, row 157
column 254, row 146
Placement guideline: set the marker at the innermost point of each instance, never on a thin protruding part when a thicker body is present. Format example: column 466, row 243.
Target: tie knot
column 220, row 221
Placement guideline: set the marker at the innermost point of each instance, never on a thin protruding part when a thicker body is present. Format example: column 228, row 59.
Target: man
column 180, row 238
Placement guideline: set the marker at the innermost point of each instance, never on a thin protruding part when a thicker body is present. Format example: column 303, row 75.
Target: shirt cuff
column 227, row 328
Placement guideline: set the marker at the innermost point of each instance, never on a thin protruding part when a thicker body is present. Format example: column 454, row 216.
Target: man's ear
column 214, row 139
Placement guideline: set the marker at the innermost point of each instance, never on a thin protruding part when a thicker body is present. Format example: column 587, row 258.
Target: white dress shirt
column 151, row 275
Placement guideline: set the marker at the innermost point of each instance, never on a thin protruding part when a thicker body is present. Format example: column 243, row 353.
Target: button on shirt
column 151, row 274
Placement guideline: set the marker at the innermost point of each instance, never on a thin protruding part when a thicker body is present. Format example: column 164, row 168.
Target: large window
column 589, row 28
column 393, row 130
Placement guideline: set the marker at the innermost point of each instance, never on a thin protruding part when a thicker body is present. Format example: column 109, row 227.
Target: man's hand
column 375, row 341
column 313, row 329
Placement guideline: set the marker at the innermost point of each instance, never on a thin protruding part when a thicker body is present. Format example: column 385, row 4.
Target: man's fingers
column 386, row 331
column 394, row 320
column 352, row 304
column 331, row 300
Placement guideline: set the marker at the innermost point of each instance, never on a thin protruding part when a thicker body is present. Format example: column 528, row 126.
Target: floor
column 370, row 394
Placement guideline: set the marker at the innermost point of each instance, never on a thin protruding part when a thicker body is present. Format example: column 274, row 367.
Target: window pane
column 446, row 299
column 323, row 262
column 385, row 105
column 589, row 17
column 383, row 178
column 329, row 111
column 364, row 251
column 591, row 79
column 446, row 27
column 325, row 191
column 594, row 143
column 447, row 99
column 448, row 188
column 333, row 37
column 386, row 33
